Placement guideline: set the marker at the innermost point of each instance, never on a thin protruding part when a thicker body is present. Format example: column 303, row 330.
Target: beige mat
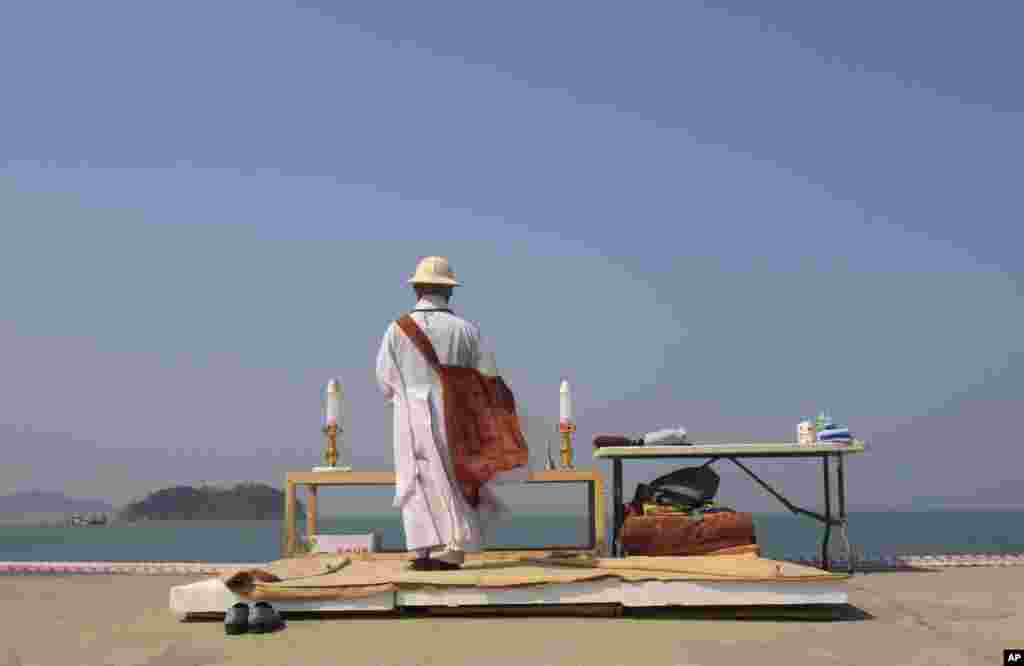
column 344, row 578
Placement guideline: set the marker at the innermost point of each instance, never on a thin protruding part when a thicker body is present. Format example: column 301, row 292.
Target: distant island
column 244, row 501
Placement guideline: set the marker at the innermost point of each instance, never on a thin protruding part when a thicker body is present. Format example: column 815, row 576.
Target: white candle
column 564, row 403
column 333, row 402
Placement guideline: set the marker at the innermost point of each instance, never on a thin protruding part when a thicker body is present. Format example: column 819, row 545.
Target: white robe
column 435, row 513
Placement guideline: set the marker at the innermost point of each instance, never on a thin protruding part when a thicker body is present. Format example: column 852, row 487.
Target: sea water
column 780, row 536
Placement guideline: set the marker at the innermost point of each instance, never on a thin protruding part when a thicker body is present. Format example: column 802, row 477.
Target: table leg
column 311, row 511
column 843, row 530
column 289, row 520
column 825, row 562
column 600, row 529
column 592, row 515
column 616, row 506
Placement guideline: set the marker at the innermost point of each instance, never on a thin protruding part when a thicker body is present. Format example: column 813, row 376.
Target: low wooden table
column 313, row 480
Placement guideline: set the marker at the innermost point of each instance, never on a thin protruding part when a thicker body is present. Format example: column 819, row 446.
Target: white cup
column 805, row 432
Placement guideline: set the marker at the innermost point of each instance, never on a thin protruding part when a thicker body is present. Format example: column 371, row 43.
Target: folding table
column 733, row 452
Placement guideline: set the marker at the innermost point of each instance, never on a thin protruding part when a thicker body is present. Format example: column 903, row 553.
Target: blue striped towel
column 834, row 434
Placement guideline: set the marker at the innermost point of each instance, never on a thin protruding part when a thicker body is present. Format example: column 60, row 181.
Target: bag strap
column 420, row 339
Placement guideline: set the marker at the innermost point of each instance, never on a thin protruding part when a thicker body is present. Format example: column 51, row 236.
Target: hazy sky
column 724, row 216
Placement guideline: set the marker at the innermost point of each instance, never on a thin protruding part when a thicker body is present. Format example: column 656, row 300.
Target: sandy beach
column 947, row 618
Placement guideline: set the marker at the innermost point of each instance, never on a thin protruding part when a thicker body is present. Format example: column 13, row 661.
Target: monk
column 440, row 524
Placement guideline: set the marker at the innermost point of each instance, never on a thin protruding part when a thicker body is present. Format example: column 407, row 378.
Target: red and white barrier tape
column 922, row 561
column 136, row 568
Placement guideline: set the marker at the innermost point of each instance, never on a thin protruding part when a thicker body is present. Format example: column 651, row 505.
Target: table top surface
column 754, row 450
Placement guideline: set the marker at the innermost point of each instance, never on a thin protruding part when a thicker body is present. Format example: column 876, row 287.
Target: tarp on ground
column 326, row 578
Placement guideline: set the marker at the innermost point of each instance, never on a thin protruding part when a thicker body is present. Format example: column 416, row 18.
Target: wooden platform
column 210, row 598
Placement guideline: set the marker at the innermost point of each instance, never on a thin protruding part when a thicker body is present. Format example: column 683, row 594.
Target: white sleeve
column 388, row 377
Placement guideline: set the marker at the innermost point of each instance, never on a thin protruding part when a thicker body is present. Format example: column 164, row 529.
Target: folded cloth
column 601, row 441
column 834, row 433
column 666, row 437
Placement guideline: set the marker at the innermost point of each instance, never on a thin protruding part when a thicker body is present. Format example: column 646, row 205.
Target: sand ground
column 945, row 618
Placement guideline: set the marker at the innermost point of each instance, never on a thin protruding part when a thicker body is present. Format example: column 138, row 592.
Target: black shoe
column 429, row 564
column 265, row 618
column 423, row 564
column 236, row 620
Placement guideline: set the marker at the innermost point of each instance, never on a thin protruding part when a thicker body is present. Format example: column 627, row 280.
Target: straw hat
column 434, row 270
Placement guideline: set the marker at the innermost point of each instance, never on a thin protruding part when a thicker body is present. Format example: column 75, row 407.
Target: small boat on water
column 91, row 520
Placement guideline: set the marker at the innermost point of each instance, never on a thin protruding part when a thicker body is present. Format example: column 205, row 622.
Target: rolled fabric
column 601, row 441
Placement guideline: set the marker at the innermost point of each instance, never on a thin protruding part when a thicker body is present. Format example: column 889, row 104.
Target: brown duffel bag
column 484, row 434
column 679, row 534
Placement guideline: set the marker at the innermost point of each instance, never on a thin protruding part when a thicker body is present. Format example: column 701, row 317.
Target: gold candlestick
column 331, row 454
column 566, row 429
column 332, row 411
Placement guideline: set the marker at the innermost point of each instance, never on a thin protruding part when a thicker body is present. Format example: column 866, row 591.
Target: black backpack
column 689, row 486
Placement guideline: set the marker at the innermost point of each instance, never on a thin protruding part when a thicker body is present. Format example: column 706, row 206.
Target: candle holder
column 332, row 409
column 331, row 452
column 565, row 423
column 567, row 430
